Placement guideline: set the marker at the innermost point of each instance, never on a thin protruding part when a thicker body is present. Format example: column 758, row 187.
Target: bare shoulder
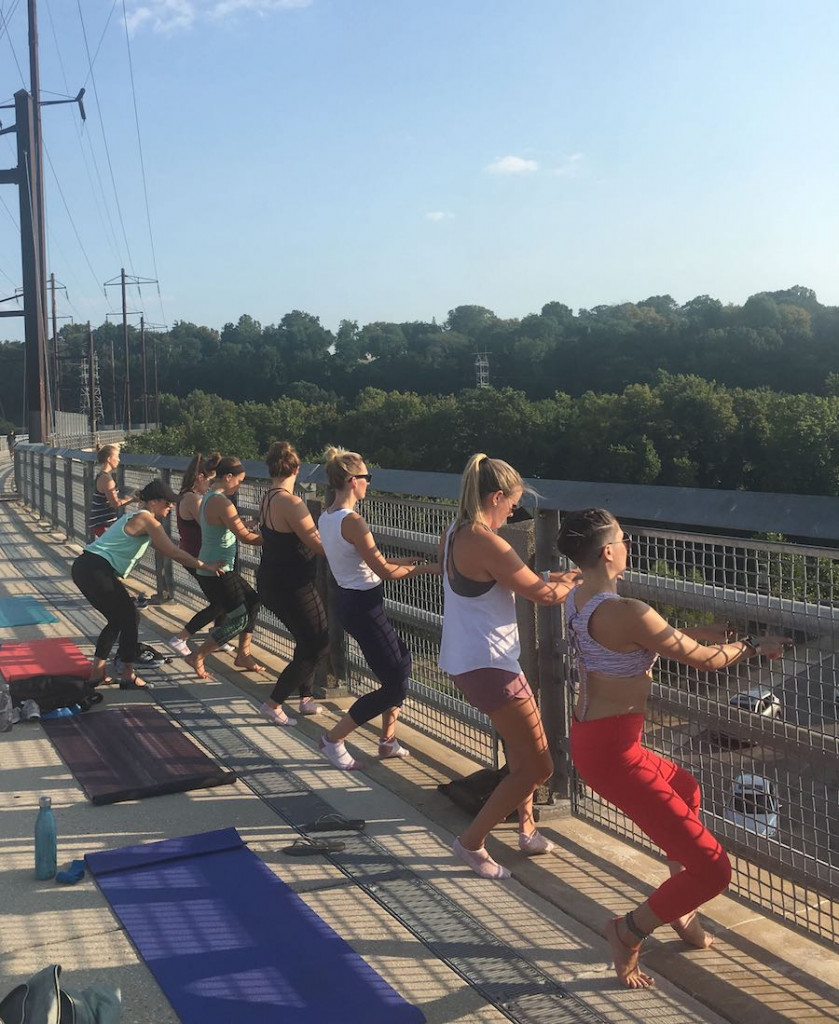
column 141, row 522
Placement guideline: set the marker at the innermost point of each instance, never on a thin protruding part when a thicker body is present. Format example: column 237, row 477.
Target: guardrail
column 763, row 739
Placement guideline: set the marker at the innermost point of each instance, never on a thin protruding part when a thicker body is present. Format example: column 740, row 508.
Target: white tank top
column 348, row 567
column 480, row 631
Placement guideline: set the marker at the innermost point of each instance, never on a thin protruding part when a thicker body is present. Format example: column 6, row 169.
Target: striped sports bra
column 593, row 656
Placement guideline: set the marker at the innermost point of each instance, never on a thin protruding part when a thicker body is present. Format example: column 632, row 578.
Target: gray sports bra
column 594, row 657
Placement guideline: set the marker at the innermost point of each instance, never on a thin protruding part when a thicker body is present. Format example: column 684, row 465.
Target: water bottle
column 5, row 707
column 46, row 853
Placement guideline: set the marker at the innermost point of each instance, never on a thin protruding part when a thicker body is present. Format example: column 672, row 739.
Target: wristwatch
column 753, row 642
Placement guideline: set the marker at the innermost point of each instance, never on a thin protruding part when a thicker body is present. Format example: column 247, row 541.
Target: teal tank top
column 119, row 548
column 218, row 544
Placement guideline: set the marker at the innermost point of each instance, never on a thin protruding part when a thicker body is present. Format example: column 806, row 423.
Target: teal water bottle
column 46, row 852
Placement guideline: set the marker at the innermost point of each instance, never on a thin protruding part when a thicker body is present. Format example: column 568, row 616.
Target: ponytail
column 484, row 476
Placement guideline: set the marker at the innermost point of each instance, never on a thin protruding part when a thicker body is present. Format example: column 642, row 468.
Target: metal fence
column 761, row 737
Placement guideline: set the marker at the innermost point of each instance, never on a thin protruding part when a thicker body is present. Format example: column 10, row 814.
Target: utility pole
column 145, row 373
column 29, row 178
column 56, row 363
column 123, row 281
column 155, row 328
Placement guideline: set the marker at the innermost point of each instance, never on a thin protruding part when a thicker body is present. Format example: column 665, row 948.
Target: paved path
column 462, row 949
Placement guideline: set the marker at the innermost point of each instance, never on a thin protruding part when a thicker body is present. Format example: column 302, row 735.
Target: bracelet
column 753, row 642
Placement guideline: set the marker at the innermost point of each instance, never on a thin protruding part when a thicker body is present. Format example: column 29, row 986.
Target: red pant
column 662, row 799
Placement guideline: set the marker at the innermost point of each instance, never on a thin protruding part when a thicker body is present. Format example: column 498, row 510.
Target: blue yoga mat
column 24, row 611
column 228, row 941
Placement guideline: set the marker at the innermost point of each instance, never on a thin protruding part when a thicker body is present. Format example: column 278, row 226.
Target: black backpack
column 51, row 692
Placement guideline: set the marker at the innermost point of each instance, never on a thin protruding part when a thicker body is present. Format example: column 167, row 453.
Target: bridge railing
column 762, row 738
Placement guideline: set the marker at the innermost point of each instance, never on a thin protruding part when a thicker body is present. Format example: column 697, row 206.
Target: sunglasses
column 625, row 539
column 363, row 476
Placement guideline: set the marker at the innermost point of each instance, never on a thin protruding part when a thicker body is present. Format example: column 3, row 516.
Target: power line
column 100, row 200
column 70, row 216
column 140, row 149
column 92, row 78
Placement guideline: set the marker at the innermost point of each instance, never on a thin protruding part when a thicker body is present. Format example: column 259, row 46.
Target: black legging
column 236, row 598
column 96, row 578
column 362, row 614
column 301, row 611
column 200, row 619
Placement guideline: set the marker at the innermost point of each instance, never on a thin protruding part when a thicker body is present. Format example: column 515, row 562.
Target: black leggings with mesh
column 97, row 580
column 301, row 611
column 362, row 614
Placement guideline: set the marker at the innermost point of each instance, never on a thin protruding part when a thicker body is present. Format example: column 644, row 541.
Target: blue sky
column 391, row 159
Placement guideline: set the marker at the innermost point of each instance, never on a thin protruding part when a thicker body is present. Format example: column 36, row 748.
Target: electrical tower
column 91, row 393
column 481, row 370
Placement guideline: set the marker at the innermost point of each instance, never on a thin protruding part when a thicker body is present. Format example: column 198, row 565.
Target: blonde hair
column 105, row 452
column 340, row 466
column 481, row 477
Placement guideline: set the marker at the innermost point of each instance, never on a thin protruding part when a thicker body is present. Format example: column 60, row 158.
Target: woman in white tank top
column 359, row 569
column 480, row 648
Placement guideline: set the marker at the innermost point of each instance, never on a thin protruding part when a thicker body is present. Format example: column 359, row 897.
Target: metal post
column 127, row 377
column 164, row 573
column 69, row 510
column 54, row 489
column 42, row 505
column 37, row 187
column 551, row 659
column 91, row 361
column 87, row 487
column 56, row 380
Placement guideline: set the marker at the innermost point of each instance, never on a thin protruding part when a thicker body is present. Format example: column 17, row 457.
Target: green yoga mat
column 24, row 611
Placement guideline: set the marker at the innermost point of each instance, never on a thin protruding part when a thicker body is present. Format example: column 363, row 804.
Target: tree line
column 784, row 340
column 681, row 431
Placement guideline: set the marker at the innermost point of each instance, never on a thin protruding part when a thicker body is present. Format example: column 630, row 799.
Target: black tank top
column 284, row 556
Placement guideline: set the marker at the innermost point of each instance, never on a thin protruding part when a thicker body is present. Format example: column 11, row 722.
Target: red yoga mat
column 48, row 656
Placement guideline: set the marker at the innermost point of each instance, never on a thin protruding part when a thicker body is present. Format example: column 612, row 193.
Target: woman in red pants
column 617, row 642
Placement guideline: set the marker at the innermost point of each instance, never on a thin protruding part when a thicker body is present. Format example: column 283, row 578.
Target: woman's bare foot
column 689, row 929
column 196, row 660
column 625, row 958
column 248, row 663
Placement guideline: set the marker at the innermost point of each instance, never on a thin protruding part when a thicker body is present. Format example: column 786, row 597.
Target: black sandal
column 307, row 847
column 334, row 823
column 131, row 684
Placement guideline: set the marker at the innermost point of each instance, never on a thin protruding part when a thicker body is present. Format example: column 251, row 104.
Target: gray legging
column 362, row 614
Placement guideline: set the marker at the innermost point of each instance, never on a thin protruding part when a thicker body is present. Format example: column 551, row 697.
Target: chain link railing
column 762, row 738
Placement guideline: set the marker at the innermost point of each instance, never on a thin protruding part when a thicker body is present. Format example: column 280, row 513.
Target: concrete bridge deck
column 462, row 949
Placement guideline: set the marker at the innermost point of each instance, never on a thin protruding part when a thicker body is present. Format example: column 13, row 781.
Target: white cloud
column 569, row 166
column 438, row 215
column 172, row 15
column 512, row 165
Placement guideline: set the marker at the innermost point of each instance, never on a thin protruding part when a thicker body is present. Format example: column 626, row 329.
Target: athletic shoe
column 276, row 716
column 310, row 707
column 226, row 649
column 480, row 862
column 141, row 601
column 179, row 646
column 339, row 755
column 392, row 748
column 29, row 711
column 534, row 844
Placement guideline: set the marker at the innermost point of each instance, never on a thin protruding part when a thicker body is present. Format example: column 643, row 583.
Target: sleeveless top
column 592, row 656
column 189, row 532
column 284, row 555
column 218, row 544
column 119, row 548
column 479, row 622
column 350, row 570
column 102, row 512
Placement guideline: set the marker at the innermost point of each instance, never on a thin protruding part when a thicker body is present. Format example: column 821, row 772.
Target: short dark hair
column 581, row 534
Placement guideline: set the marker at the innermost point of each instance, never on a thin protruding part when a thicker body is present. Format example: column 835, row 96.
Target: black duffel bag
column 51, row 692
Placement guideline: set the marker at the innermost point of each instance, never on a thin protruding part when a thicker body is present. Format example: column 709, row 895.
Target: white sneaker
column 275, row 715
column 310, row 707
column 226, row 649
column 392, row 748
column 179, row 646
